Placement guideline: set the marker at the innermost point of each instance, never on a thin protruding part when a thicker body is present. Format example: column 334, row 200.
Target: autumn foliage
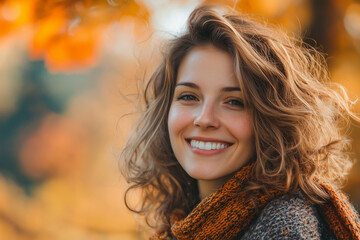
column 67, row 34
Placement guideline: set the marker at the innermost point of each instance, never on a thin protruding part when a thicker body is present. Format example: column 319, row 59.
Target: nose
column 206, row 117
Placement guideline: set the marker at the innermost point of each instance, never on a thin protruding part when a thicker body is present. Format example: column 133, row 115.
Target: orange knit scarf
column 228, row 212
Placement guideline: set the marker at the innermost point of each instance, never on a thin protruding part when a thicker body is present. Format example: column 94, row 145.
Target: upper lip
column 205, row 139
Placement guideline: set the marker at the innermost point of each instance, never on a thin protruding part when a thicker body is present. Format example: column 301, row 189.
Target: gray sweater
column 289, row 217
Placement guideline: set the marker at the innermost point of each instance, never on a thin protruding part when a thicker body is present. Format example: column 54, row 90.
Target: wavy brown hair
column 299, row 117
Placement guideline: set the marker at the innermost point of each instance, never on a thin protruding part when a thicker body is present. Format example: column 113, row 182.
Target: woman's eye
column 235, row 103
column 187, row 97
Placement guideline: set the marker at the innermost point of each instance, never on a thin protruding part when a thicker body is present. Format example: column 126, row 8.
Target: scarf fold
column 229, row 211
column 339, row 215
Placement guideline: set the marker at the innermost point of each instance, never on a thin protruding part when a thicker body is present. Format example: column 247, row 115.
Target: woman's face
column 210, row 130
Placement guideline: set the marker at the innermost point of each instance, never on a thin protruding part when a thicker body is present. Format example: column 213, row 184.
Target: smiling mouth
column 207, row 145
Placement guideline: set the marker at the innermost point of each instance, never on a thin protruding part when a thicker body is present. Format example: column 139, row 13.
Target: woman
column 241, row 138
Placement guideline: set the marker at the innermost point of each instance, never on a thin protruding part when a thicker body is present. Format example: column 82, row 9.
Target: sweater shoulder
column 289, row 217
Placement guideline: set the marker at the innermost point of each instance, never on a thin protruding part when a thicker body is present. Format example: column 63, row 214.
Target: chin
column 205, row 175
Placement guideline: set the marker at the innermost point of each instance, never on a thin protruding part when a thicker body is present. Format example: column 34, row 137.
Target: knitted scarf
column 228, row 212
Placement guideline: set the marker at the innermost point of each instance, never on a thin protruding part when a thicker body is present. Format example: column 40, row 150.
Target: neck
column 207, row 187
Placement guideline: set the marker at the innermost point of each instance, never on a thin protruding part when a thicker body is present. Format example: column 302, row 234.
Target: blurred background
column 69, row 71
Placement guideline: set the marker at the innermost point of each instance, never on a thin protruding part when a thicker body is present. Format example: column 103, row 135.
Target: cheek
column 179, row 118
column 243, row 127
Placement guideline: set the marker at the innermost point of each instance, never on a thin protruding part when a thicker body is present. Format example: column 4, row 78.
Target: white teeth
column 207, row 145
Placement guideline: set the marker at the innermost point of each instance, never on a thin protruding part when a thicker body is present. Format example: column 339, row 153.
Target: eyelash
column 238, row 103
column 186, row 97
column 190, row 97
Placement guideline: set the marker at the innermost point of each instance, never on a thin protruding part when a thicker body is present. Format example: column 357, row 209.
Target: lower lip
column 206, row 152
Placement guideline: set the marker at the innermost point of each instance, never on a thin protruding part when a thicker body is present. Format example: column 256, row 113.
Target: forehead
column 207, row 65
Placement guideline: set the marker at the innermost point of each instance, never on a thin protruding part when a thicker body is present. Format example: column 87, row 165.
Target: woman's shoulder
column 289, row 217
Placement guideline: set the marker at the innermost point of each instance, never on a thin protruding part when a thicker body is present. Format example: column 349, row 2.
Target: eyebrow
column 193, row 85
